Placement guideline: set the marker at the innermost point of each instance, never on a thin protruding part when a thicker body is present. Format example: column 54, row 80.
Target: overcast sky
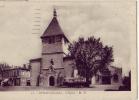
column 113, row 22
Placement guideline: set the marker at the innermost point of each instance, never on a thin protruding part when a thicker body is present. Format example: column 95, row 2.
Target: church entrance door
column 51, row 81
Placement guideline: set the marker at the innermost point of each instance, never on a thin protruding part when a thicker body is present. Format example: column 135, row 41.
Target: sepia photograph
column 85, row 46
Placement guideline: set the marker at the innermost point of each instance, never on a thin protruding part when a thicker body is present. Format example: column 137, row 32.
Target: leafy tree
column 3, row 66
column 90, row 56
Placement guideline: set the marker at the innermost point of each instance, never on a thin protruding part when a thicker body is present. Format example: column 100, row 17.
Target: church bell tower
column 53, row 41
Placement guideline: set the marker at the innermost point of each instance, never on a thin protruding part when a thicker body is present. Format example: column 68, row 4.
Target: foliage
column 90, row 56
column 4, row 66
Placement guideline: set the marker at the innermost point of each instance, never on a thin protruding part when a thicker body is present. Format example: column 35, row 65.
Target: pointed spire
column 54, row 28
column 54, row 13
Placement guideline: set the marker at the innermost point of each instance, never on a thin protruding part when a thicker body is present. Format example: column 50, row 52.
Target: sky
column 22, row 24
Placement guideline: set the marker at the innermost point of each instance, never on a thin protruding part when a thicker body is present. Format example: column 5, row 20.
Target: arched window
column 51, row 81
column 115, row 78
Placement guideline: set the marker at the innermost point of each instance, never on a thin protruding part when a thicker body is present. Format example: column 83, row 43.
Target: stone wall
column 57, row 59
column 35, row 72
column 69, row 68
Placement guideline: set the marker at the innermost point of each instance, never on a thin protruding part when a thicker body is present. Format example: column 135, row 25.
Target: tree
column 90, row 56
column 3, row 66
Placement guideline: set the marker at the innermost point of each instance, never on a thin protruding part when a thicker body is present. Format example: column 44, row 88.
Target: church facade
column 55, row 66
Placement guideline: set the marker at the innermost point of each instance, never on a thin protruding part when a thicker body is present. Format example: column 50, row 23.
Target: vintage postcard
column 84, row 50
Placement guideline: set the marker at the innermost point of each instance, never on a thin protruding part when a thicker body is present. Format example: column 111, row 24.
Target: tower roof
column 53, row 28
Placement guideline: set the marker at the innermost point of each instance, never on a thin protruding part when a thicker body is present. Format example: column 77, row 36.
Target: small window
column 17, row 72
column 58, row 39
column 45, row 40
column 14, row 73
column 51, row 40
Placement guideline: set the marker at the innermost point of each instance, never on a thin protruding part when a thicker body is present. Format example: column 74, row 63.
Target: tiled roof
column 36, row 59
column 53, row 29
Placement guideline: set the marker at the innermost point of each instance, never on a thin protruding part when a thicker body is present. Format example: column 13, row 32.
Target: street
column 38, row 88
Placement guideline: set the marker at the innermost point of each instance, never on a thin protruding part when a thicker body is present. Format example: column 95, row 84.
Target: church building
column 55, row 66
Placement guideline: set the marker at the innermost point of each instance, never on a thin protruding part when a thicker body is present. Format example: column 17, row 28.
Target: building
column 54, row 66
column 111, row 75
column 16, row 76
column 51, row 68
column 0, row 76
